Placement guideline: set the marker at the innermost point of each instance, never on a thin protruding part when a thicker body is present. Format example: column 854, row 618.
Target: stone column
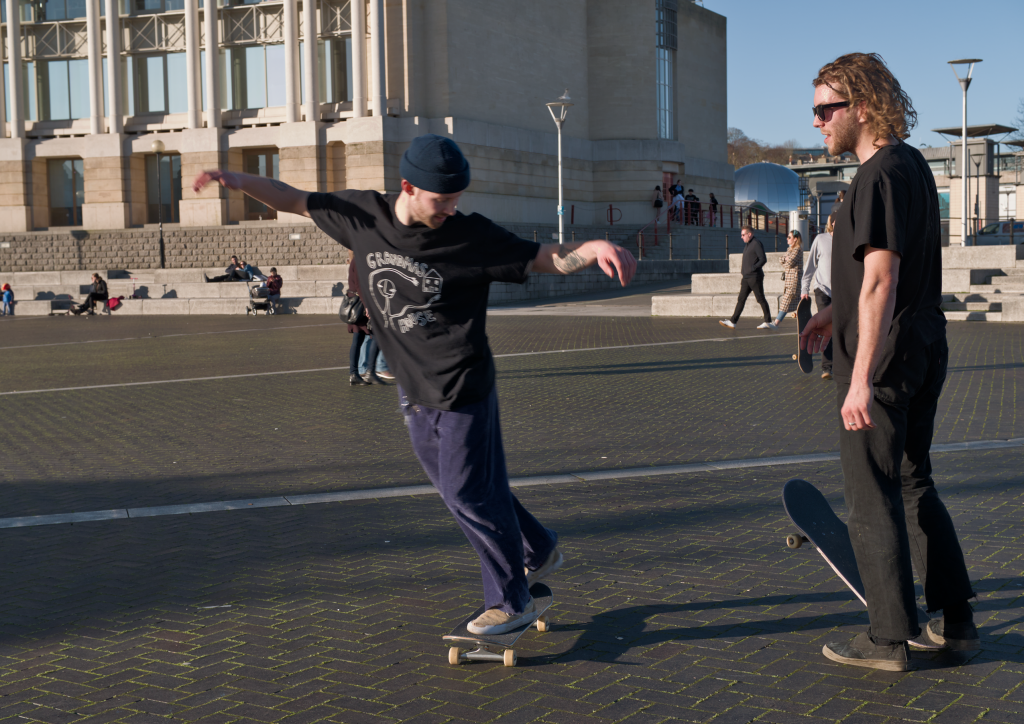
column 115, row 121
column 212, row 65
column 291, row 61
column 192, row 64
column 95, row 50
column 378, row 82
column 309, row 35
column 14, row 65
column 358, row 8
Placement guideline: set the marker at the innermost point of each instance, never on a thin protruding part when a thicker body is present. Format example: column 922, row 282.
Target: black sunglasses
column 819, row 110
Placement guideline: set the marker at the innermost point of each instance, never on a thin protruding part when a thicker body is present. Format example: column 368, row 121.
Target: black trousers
column 358, row 339
column 822, row 300
column 232, row 276
column 895, row 515
column 753, row 284
column 90, row 301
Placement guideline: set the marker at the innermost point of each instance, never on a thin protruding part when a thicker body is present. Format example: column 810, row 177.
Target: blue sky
column 776, row 48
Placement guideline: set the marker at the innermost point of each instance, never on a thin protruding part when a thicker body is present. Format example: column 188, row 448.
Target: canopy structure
column 758, row 207
column 979, row 131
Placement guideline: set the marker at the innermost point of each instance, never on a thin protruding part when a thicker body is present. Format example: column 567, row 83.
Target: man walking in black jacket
column 754, row 260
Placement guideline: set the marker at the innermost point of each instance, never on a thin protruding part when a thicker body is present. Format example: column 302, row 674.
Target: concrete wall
column 262, row 245
column 701, row 98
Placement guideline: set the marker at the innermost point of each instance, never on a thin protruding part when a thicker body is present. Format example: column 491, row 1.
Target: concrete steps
column 307, row 290
column 983, row 284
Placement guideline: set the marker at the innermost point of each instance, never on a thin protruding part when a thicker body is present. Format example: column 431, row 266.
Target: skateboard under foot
column 498, row 647
column 803, row 316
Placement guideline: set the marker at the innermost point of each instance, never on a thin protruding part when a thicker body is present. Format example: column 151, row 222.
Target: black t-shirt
column 891, row 204
column 426, row 290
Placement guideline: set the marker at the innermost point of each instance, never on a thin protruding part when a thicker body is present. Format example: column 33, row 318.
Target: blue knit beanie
column 435, row 163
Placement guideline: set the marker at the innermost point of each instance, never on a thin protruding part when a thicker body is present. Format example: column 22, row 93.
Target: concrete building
column 90, row 84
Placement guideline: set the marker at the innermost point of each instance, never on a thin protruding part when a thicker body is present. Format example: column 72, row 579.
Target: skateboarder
column 754, row 260
column 890, row 357
column 425, row 269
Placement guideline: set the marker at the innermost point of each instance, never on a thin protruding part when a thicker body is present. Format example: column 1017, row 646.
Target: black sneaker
column 955, row 636
column 862, row 651
column 356, row 380
column 372, row 379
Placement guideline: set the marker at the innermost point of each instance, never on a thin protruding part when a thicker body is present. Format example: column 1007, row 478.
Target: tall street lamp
column 562, row 104
column 965, row 174
column 158, row 149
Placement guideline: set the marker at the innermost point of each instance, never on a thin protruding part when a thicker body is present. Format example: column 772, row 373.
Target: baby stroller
column 259, row 300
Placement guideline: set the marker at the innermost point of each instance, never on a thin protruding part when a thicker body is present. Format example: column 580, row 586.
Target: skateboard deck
column 467, row 646
column 803, row 315
column 818, row 523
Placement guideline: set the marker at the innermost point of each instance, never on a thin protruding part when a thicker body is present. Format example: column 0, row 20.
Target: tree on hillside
column 744, row 150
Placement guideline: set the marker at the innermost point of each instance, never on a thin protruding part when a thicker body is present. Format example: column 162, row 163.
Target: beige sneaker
column 494, row 621
column 552, row 564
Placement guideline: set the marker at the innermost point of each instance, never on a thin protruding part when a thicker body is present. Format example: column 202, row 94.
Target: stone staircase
column 312, row 289
column 983, row 284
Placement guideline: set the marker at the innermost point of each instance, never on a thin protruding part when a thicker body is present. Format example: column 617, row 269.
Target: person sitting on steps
column 97, row 293
column 234, row 272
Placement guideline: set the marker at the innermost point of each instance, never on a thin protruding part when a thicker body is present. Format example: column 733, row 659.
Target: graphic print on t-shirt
column 398, row 285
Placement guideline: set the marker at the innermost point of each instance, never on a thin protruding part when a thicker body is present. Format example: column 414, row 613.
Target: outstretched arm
column 571, row 258
column 275, row 194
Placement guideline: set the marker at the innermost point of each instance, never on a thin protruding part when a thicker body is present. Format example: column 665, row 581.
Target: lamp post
column 965, row 83
column 562, row 104
column 158, row 149
column 977, row 190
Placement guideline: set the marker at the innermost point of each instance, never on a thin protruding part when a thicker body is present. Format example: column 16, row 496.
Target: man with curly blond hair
column 889, row 362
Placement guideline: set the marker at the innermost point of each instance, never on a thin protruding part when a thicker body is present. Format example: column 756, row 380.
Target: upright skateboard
column 803, row 316
column 497, row 647
column 818, row 523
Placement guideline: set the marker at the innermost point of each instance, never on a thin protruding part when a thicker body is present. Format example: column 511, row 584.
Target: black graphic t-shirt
column 891, row 204
column 426, row 290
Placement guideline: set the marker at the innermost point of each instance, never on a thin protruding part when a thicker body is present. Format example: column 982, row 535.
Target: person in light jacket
column 818, row 279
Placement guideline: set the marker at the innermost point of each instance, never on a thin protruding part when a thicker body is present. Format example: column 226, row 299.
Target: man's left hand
column 856, row 410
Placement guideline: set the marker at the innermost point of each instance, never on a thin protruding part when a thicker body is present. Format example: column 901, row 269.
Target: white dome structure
column 775, row 186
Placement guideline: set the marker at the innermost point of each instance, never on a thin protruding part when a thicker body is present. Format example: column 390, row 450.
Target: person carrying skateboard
column 890, row 358
column 818, row 278
column 752, row 270
column 425, row 270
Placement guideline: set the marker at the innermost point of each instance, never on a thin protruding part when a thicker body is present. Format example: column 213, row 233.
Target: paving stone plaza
column 679, row 600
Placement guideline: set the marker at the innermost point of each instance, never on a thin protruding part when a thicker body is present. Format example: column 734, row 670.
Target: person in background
column 837, row 203
column 362, row 337
column 8, row 301
column 754, row 260
column 692, row 208
column 713, row 205
column 818, row 278
column 274, row 282
column 97, row 293
column 793, row 263
column 675, row 211
column 657, row 201
column 233, row 273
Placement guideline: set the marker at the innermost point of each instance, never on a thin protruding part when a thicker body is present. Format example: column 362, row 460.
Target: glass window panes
column 275, row 75
column 63, row 89
column 177, row 87
column 260, row 162
column 67, row 191
column 163, row 190
column 336, row 70
column 944, row 204
column 78, row 86
column 664, row 61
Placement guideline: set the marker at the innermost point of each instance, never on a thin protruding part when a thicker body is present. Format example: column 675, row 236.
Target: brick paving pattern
column 679, row 600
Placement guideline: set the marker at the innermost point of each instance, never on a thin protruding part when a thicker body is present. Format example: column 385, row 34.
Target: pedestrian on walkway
column 426, row 270
column 793, row 269
column 817, row 278
column 713, row 206
column 361, row 338
column 752, row 270
column 7, row 296
column 657, row 201
column 890, row 364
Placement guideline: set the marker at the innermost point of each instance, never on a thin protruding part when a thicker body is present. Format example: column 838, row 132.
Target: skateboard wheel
column 794, row 356
column 510, row 657
column 454, row 655
column 542, row 624
column 794, row 540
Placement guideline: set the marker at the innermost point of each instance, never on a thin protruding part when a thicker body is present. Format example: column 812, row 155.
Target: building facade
column 327, row 94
